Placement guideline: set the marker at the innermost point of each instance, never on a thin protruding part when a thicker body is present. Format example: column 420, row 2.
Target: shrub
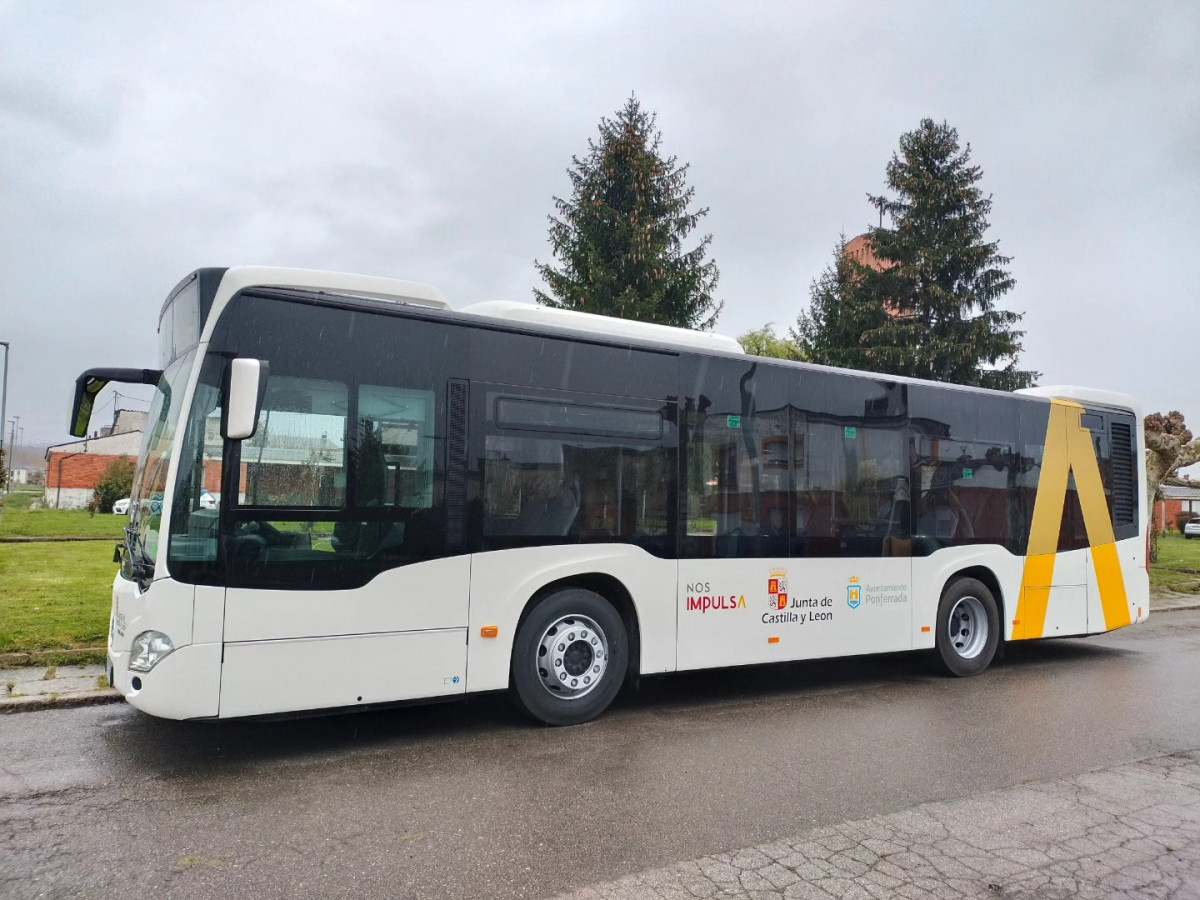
column 114, row 484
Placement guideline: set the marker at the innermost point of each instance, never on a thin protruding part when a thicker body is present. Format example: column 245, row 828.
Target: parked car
column 207, row 501
column 1192, row 529
column 121, row 507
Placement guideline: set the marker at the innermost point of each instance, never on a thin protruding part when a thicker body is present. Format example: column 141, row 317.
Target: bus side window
column 968, row 474
column 738, row 484
column 964, row 490
column 612, row 484
column 394, row 464
column 297, row 457
column 852, row 493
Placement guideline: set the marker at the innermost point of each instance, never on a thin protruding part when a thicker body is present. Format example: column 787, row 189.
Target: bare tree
column 1169, row 447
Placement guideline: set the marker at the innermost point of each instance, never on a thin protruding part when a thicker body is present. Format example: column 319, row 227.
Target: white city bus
column 417, row 502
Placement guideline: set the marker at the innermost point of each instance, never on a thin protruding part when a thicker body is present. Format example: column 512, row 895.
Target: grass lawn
column 55, row 596
column 18, row 520
column 20, row 498
column 1178, row 566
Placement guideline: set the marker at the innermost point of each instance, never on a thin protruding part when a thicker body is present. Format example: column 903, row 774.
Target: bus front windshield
column 150, row 483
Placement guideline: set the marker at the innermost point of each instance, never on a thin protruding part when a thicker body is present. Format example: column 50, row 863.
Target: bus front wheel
column 968, row 628
column 569, row 657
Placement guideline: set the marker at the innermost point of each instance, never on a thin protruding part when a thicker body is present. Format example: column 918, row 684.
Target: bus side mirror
column 93, row 381
column 245, row 387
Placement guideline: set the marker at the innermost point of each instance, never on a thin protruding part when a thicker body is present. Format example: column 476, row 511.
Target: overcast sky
column 425, row 142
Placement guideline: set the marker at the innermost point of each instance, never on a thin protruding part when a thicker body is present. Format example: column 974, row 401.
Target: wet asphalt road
column 468, row 800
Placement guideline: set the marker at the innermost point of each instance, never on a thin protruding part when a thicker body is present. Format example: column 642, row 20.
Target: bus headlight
column 148, row 649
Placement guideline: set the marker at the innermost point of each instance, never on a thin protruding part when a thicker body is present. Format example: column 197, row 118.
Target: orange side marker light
column 924, row 628
column 489, row 631
column 772, row 640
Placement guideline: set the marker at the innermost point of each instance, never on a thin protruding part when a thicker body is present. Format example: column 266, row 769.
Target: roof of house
column 122, row 438
column 125, row 443
column 1180, row 492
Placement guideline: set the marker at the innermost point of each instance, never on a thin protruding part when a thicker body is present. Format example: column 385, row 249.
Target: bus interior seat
column 367, row 539
column 939, row 522
column 422, row 535
column 944, row 518
column 561, row 511
column 203, row 523
column 525, row 522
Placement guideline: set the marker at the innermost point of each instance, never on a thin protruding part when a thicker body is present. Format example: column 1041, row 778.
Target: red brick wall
column 1165, row 512
column 83, row 470
column 212, row 476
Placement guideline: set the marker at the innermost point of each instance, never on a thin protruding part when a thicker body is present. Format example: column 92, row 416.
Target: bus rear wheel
column 569, row 657
column 968, row 628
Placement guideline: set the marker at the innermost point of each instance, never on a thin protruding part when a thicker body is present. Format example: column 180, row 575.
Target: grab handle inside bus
column 92, row 382
column 245, row 387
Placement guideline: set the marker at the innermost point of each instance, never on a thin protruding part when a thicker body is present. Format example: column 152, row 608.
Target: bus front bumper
column 186, row 684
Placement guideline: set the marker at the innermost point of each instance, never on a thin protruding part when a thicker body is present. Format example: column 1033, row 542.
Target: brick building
column 859, row 249
column 74, row 469
column 1177, row 499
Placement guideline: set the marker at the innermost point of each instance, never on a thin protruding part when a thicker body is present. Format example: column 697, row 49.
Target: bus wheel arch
column 599, row 602
column 991, row 582
column 971, row 599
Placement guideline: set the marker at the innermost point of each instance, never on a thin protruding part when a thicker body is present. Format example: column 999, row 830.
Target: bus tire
column 569, row 658
column 968, row 628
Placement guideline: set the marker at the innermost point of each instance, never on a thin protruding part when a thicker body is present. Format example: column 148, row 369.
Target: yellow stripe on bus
column 1035, row 597
column 1068, row 450
column 1113, row 598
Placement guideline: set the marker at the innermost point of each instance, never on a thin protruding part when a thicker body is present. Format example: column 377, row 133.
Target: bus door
column 348, row 580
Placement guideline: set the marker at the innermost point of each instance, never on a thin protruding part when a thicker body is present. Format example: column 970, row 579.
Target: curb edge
column 11, row 705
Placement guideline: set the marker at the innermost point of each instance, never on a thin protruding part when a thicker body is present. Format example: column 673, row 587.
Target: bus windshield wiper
column 141, row 567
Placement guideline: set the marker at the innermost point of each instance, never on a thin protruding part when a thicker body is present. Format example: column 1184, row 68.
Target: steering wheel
column 264, row 531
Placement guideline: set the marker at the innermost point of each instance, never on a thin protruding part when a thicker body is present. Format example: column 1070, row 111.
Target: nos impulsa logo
column 854, row 593
column 701, row 599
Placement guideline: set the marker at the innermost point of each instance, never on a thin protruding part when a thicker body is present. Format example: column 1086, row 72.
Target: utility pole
column 4, row 395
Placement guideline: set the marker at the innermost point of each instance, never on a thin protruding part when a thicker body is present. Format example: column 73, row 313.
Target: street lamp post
column 12, row 444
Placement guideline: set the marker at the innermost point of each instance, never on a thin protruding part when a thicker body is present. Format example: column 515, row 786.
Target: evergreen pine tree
column 929, row 310
column 839, row 314
column 620, row 237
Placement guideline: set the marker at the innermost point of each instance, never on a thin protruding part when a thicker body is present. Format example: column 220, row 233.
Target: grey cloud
column 54, row 111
